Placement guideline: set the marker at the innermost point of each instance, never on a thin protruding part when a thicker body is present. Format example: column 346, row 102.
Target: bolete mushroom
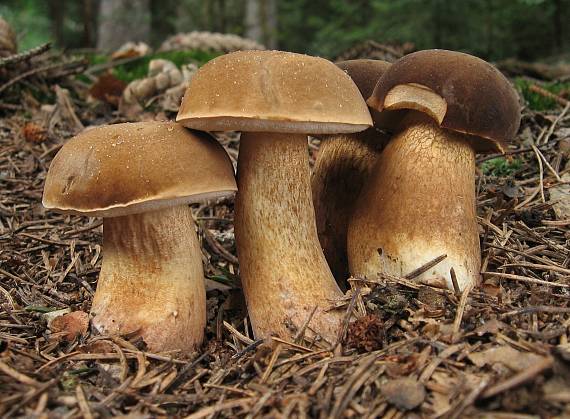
column 276, row 99
column 140, row 178
column 343, row 164
column 420, row 201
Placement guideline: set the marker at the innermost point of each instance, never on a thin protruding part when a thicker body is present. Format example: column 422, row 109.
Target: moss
column 501, row 166
column 138, row 69
column 536, row 101
column 68, row 382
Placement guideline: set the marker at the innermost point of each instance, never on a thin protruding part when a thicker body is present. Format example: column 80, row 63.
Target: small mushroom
column 276, row 99
column 420, row 201
column 343, row 165
column 140, row 178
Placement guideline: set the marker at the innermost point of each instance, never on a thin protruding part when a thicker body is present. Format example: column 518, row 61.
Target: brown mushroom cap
column 123, row 169
column 479, row 100
column 273, row 91
column 365, row 73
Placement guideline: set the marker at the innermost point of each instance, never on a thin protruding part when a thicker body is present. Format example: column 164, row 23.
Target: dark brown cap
column 462, row 92
column 123, row 169
column 365, row 73
column 273, row 91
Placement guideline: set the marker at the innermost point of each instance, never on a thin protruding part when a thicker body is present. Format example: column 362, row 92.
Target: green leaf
column 40, row 309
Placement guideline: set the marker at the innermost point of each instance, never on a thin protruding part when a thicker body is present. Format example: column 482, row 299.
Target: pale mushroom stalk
column 422, row 191
column 283, row 270
column 152, row 269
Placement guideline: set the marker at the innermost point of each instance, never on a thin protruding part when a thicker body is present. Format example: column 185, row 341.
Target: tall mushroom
column 140, row 178
column 343, row 165
column 276, row 99
column 420, row 201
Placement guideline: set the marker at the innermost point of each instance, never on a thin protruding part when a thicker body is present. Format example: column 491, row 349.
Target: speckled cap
column 465, row 93
column 273, row 91
column 123, row 169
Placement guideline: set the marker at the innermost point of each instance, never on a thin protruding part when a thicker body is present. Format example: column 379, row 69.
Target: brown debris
column 8, row 41
column 366, row 333
column 34, row 133
column 70, row 326
column 404, row 393
column 510, row 357
column 513, row 67
column 108, row 88
column 375, row 50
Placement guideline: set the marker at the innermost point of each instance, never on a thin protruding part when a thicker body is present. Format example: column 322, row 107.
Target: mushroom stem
column 418, row 205
column 343, row 165
column 152, row 280
column 283, row 270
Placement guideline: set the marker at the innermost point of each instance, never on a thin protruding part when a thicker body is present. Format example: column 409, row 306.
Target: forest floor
column 500, row 350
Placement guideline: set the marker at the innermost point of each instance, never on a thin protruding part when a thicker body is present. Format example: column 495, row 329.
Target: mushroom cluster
column 392, row 187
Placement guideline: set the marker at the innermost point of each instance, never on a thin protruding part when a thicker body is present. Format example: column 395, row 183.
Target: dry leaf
column 131, row 49
column 34, row 133
column 404, row 393
column 560, row 198
column 108, row 88
column 74, row 324
column 489, row 327
column 98, row 347
column 506, row 355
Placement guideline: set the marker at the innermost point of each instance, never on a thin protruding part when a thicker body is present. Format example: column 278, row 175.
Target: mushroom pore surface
column 283, row 270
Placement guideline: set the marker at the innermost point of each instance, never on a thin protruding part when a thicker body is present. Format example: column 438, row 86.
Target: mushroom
column 343, row 165
column 420, row 200
column 140, row 178
column 276, row 99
